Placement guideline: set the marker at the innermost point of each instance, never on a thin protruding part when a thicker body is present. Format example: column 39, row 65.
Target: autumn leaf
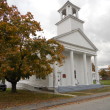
column 22, row 56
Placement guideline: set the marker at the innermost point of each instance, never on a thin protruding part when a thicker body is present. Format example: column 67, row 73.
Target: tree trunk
column 13, row 89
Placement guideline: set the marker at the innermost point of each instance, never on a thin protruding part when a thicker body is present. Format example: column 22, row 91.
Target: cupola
column 68, row 9
column 69, row 19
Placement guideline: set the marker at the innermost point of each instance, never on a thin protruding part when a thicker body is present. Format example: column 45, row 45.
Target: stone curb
column 58, row 102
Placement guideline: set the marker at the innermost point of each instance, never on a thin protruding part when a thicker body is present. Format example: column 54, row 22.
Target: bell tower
column 69, row 19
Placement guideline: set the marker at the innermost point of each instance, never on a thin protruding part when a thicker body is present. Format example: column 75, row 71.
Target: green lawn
column 22, row 97
column 105, row 82
column 91, row 91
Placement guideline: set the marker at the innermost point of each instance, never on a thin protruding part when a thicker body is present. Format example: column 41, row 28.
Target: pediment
column 78, row 38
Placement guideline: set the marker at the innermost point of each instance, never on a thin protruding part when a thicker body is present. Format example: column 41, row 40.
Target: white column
column 72, row 68
column 77, row 14
column 61, row 16
column 55, row 79
column 91, row 72
column 85, row 68
column 67, row 10
column 96, row 70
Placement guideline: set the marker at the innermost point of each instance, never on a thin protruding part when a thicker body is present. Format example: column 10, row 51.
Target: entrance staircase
column 78, row 88
column 59, row 89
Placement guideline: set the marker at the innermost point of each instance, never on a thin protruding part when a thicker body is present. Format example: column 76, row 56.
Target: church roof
column 73, row 31
column 68, row 3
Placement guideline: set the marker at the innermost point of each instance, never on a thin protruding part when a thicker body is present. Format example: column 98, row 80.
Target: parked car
column 3, row 87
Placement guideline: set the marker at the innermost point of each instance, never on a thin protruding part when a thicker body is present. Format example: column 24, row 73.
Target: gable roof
column 73, row 31
column 68, row 3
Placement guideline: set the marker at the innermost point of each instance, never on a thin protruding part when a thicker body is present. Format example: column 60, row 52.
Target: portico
column 80, row 65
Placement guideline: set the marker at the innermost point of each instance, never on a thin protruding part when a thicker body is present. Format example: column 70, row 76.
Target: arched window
column 64, row 13
column 74, row 12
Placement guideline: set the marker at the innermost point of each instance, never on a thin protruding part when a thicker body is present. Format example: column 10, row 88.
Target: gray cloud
column 95, row 13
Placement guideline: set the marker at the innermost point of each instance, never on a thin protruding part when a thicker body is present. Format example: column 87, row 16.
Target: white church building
column 79, row 50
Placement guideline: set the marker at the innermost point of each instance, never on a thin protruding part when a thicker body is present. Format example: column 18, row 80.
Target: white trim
column 87, row 39
column 62, row 35
column 69, row 16
column 80, row 50
column 76, row 30
column 74, row 45
column 68, row 3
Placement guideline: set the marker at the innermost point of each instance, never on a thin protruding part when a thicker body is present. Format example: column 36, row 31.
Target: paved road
column 98, row 104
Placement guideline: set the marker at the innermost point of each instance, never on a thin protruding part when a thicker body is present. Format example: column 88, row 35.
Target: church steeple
column 68, row 9
column 69, row 18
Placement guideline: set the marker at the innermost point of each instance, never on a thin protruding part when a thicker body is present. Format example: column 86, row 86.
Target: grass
column 91, row 91
column 78, row 93
column 22, row 97
column 105, row 82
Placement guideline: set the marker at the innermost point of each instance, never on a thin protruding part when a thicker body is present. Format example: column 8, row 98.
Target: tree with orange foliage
column 22, row 56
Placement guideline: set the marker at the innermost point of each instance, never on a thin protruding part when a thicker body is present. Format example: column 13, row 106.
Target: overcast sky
column 95, row 13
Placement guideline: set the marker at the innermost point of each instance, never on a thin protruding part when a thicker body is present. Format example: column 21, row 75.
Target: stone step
column 78, row 88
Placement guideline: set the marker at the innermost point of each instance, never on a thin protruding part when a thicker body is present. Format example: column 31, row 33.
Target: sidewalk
column 58, row 102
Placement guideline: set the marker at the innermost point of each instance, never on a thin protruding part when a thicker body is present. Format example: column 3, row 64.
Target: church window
column 64, row 13
column 74, row 12
column 75, row 74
